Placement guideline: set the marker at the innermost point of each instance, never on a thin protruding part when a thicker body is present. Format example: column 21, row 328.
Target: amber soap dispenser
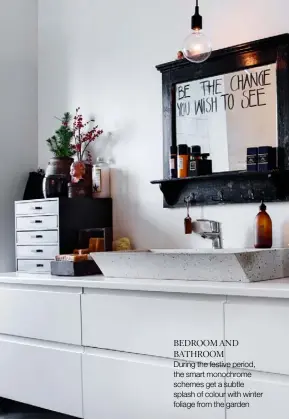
column 263, row 229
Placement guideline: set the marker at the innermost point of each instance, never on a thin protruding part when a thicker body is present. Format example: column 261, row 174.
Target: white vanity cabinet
column 127, row 386
column 41, row 374
column 119, row 386
column 104, row 348
column 132, row 375
column 261, row 326
column 148, row 323
column 274, row 402
column 45, row 314
column 40, row 346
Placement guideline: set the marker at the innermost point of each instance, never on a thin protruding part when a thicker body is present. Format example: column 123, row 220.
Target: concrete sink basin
column 236, row 265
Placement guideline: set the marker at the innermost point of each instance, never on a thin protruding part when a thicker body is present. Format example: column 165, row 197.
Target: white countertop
column 277, row 288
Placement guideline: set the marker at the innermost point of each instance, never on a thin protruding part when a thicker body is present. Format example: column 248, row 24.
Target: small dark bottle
column 266, row 159
column 252, row 159
column 195, row 155
column 206, row 165
column 173, row 162
column 263, row 229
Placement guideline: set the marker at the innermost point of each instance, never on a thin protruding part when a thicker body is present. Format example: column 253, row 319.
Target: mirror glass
column 226, row 114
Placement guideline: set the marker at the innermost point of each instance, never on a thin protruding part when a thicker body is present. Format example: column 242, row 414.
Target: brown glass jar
column 183, row 160
column 263, row 229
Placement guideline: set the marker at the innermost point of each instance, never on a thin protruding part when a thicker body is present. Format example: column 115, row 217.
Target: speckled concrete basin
column 237, row 265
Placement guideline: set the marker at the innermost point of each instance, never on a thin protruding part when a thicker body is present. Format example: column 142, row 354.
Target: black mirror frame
column 223, row 61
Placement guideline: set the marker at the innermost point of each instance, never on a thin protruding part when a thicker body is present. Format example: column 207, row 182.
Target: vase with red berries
column 85, row 132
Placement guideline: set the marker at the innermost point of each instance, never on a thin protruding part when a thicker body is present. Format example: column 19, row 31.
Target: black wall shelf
column 225, row 188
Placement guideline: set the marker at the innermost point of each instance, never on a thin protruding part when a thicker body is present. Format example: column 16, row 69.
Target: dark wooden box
column 77, row 214
column 67, row 268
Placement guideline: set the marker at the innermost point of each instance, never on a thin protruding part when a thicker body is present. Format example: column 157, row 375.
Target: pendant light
column 197, row 47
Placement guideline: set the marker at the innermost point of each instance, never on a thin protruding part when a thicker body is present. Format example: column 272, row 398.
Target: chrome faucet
column 209, row 229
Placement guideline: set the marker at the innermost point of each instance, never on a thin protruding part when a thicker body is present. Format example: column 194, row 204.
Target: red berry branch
column 83, row 136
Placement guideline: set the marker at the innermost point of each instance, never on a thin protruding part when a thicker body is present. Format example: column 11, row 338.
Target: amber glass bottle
column 183, row 160
column 263, row 229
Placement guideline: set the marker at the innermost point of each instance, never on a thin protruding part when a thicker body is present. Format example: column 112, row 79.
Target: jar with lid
column 183, row 160
column 101, row 179
column 195, row 157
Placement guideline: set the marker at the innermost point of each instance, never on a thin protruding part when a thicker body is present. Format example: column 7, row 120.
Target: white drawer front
column 33, row 266
column 148, row 324
column 36, row 207
column 52, row 316
column 35, row 237
column 275, row 391
column 130, row 387
column 37, row 252
column 46, row 222
column 262, row 330
column 45, row 377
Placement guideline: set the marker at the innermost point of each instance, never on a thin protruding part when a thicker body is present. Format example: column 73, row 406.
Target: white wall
column 101, row 55
column 18, row 113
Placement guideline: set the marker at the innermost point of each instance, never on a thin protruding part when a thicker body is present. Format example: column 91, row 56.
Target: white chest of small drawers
column 37, row 234
column 47, row 227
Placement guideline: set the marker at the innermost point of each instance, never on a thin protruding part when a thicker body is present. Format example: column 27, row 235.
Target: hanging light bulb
column 197, row 47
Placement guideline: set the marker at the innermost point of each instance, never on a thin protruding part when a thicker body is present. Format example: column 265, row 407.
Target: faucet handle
column 206, row 226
